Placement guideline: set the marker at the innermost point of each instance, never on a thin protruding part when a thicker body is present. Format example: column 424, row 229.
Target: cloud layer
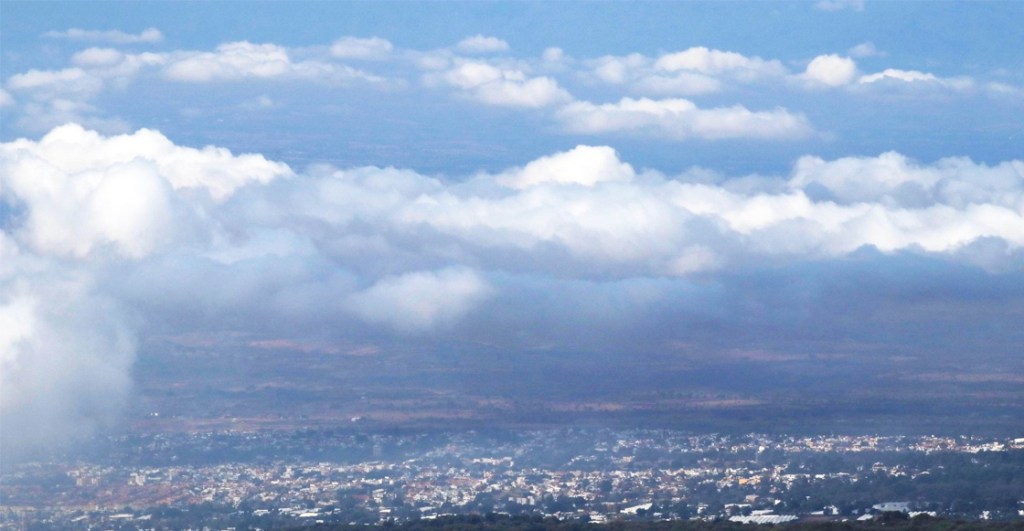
column 96, row 228
column 611, row 95
column 566, row 243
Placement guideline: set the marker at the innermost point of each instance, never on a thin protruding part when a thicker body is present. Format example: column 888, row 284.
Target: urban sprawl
column 295, row 478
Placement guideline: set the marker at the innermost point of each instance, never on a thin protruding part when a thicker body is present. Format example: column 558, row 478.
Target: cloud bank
column 106, row 236
column 680, row 119
column 658, row 97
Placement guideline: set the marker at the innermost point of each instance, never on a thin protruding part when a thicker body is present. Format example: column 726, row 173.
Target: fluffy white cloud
column 903, row 204
column 693, row 71
column 5, row 98
column 148, row 35
column 831, row 70
column 85, row 191
column 93, row 225
column 481, row 44
column 680, row 119
column 421, row 300
column 716, row 62
column 78, row 184
column 361, row 48
column 97, row 57
column 599, row 210
column 237, row 60
column 67, row 81
column 584, row 165
column 502, row 86
column 65, row 357
column 895, row 180
column 93, row 68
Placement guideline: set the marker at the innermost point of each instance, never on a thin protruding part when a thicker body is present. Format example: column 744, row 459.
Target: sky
column 596, row 180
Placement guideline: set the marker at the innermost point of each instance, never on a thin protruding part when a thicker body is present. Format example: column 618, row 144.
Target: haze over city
column 757, row 216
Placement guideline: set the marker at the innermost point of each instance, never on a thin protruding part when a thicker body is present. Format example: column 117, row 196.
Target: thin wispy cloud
column 148, row 35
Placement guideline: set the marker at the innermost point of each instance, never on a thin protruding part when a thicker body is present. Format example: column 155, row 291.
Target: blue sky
column 976, row 43
column 747, row 181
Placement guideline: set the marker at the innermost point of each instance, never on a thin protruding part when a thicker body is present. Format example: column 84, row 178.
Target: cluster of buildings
column 594, row 475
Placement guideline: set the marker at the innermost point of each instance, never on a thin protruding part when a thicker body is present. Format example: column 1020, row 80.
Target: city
column 281, row 479
column 411, row 265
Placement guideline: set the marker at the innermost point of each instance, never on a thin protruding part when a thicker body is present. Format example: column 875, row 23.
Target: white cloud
column 502, row 86
column 840, row 5
column 995, row 87
column 148, row 35
column 87, row 191
column 480, row 44
column 865, row 49
column 583, row 165
column 694, row 71
column 361, row 48
column 422, row 300
column 5, row 98
column 66, row 81
column 682, row 83
column 618, row 70
column 585, row 199
column 831, row 70
column 679, row 119
column 916, row 79
column 93, row 57
column 108, row 225
column 893, row 179
column 235, row 61
column 65, row 360
column 717, row 62
column 899, row 75
column 554, row 56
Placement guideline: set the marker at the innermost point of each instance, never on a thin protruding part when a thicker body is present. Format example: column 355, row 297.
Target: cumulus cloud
column 716, row 62
column 148, row 35
column 5, row 98
column 241, row 60
column 502, row 86
column 97, row 227
column 679, row 119
column 361, row 48
column 421, row 300
column 66, row 344
column 583, row 165
column 87, row 191
column 73, row 81
column 694, row 71
column 65, row 355
column 481, row 44
column 54, row 97
column 831, row 70
column 97, row 57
